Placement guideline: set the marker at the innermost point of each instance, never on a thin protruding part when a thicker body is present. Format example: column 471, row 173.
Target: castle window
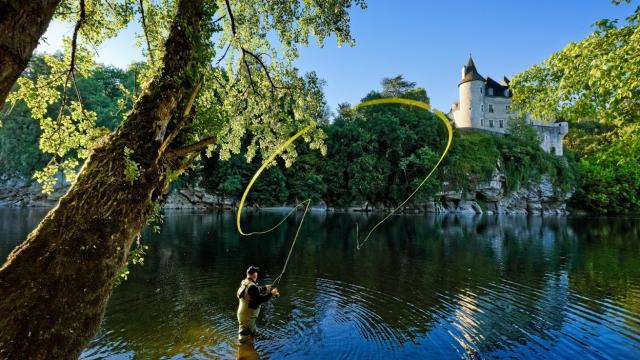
column 491, row 108
column 508, row 108
column 482, row 107
column 480, row 90
column 490, row 91
column 506, row 93
column 481, row 122
column 501, row 124
column 490, row 123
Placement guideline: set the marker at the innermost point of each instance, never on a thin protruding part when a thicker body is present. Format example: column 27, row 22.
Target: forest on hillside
column 376, row 155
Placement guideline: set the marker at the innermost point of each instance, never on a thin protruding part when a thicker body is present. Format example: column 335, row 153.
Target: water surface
column 422, row 287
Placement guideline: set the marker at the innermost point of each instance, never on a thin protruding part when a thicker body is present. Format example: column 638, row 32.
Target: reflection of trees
column 15, row 225
column 607, row 263
column 495, row 283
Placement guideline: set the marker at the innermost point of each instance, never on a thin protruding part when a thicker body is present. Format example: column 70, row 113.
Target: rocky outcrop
column 196, row 198
column 17, row 191
column 537, row 198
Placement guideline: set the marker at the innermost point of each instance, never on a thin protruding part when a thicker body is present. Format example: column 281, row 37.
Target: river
column 423, row 287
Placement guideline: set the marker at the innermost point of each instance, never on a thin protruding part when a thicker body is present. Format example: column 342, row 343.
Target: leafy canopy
column 595, row 84
column 250, row 88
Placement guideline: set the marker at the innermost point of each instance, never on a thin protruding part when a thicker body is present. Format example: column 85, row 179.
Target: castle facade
column 486, row 104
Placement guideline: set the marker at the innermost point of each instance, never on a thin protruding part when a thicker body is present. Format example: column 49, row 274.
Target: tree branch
column 218, row 19
column 72, row 65
column 186, row 164
column 233, row 22
column 264, row 67
column 144, row 29
column 245, row 51
column 197, row 146
column 74, row 39
column 225, row 54
column 186, row 114
column 253, row 85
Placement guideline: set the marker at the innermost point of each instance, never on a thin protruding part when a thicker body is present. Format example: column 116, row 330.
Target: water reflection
column 440, row 287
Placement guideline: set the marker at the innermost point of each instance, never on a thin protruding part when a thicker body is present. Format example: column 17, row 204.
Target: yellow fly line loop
column 445, row 121
column 279, row 149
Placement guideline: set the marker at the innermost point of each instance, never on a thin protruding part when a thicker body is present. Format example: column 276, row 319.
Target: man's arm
column 257, row 296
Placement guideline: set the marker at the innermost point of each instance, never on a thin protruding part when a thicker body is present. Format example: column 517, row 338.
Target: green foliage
column 610, row 181
column 27, row 142
column 303, row 178
column 252, row 88
column 232, row 185
column 471, row 161
column 136, row 257
column 19, row 152
column 156, row 218
column 271, row 188
column 595, row 78
column 131, row 168
column 595, row 85
column 380, row 154
column 106, row 92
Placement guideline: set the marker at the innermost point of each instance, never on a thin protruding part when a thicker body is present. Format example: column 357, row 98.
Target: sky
column 425, row 41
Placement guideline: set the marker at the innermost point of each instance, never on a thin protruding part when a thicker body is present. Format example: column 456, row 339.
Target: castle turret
column 485, row 104
column 471, row 89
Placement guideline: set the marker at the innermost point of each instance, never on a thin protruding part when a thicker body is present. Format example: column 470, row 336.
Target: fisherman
column 251, row 296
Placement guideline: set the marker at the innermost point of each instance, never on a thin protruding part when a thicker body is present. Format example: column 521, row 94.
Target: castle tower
column 471, row 90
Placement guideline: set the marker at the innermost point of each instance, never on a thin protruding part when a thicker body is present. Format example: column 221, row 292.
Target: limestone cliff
column 537, row 198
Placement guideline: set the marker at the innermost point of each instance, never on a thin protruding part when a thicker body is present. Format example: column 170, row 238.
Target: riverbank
column 537, row 198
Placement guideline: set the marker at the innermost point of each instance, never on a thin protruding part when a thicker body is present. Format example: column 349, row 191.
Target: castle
column 485, row 104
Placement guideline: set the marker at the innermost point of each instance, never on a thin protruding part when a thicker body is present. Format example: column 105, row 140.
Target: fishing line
column 445, row 121
column 307, row 203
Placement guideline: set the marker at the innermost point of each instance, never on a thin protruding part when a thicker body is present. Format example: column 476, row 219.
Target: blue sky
column 426, row 41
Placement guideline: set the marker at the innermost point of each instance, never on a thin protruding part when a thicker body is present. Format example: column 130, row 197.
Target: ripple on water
column 325, row 318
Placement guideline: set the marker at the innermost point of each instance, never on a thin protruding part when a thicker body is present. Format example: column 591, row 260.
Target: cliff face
column 196, row 198
column 16, row 191
column 538, row 198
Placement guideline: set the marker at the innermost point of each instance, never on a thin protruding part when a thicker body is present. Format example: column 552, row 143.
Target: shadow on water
column 439, row 287
column 247, row 351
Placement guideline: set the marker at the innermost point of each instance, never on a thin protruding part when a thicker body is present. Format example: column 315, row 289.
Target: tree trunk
column 22, row 23
column 54, row 287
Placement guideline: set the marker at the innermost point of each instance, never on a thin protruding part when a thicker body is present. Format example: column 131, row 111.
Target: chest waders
column 246, row 315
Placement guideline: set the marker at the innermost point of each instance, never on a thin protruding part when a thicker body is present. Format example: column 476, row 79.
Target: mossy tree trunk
column 54, row 287
column 22, row 23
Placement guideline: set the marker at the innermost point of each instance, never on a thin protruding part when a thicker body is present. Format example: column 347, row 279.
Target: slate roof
column 498, row 89
column 470, row 72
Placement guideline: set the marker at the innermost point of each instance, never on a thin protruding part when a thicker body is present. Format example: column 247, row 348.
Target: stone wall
column 551, row 136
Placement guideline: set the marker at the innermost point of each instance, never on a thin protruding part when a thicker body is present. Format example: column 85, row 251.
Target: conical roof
column 470, row 72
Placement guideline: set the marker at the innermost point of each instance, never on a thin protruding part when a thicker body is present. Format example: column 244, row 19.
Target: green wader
column 246, row 315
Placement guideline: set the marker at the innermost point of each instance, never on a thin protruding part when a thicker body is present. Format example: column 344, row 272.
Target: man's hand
column 275, row 292
column 268, row 287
